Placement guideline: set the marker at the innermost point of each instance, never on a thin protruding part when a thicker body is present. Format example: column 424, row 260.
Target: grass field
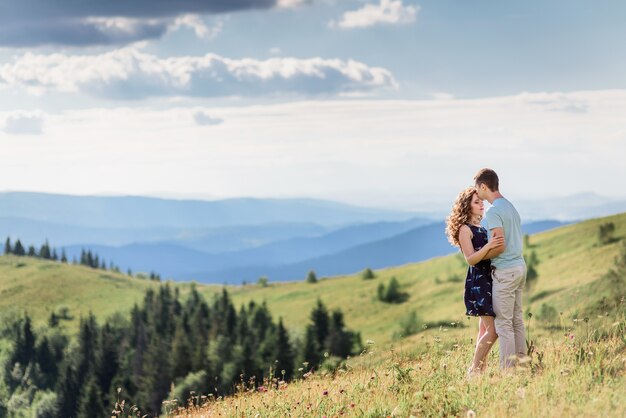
column 576, row 375
column 570, row 262
column 576, row 370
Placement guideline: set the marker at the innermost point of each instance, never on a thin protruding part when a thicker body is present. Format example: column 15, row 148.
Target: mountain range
column 236, row 240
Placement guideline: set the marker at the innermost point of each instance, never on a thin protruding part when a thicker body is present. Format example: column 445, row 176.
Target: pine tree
column 320, row 320
column 311, row 277
column 64, row 256
column 380, row 291
column 339, row 341
column 19, row 249
column 46, row 360
column 67, row 390
column 531, row 276
column 107, row 358
column 284, row 351
column 24, row 345
column 181, row 352
column 7, row 246
column 90, row 404
column 32, row 252
column 311, row 350
column 44, row 252
column 393, row 294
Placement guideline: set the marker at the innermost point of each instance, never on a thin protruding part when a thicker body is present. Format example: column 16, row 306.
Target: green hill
column 571, row 262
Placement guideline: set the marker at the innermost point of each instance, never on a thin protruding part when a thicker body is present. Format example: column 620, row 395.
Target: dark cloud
column 26, row 23
column 80, row 33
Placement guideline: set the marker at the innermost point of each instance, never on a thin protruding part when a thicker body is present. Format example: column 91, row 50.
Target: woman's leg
column 481, row 329
column 484, row 343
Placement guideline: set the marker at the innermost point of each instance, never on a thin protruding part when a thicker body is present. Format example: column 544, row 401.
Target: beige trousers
column 508, row 285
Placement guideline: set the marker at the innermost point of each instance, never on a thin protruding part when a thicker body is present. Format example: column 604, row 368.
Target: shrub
column 409, row 325
column 263, row 281
column 368, row 274
column 605, row 233
column 391, row 293
column 547, row 313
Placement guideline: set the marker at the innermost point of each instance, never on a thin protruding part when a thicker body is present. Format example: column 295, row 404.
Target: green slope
column 571, row 264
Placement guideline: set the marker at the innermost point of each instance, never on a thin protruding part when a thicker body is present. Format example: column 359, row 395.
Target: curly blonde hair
column 461, row 215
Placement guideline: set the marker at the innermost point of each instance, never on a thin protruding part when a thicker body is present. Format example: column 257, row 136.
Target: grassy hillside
column 41, row 286
column 576, row 369
column 570, row 262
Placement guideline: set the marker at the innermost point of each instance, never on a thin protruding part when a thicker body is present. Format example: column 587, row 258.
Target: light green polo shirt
column 503, row 214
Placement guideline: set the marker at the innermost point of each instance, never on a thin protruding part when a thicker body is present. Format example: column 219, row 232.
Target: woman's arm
column 474, row 257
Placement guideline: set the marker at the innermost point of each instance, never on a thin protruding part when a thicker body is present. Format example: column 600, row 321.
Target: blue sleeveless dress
column 478, row 283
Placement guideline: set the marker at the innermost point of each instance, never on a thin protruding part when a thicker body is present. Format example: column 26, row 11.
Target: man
column 508, row 268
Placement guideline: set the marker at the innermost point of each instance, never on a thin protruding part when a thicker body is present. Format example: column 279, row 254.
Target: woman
column 464, row 231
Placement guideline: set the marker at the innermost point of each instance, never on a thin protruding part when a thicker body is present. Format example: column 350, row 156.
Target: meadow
column 577, row 329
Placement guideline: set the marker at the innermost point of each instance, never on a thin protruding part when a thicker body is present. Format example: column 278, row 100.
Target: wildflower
column 262, row 389
column 352, row 405
column 471, row 414
column 571, row 337
column 325, row 393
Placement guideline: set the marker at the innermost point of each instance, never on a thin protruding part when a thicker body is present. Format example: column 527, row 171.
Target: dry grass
column 576, row 371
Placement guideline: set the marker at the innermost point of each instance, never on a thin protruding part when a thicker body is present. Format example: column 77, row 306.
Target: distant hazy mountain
column 571, row 208
column 287, row 260
column 147, row 212
column 173, row 259
column 301, row 248
column 412, row 246
column 218, row 239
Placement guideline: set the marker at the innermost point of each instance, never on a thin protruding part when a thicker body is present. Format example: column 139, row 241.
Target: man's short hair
column 489, row 178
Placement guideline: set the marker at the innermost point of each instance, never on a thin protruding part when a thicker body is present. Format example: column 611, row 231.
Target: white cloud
column 398, row 153
column 275, row 51
column 390, row 12
column 24, row 123
column 131, row 74
column 198, row 25
column 204, row 119
column 442, row 96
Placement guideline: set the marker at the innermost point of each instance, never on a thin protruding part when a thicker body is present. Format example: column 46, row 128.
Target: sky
column 385, row 103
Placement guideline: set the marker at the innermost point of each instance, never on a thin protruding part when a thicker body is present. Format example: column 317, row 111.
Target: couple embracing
column 497, row 271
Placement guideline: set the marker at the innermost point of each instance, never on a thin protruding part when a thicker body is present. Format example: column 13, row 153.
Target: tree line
column 87, row 257
column 167, row 342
